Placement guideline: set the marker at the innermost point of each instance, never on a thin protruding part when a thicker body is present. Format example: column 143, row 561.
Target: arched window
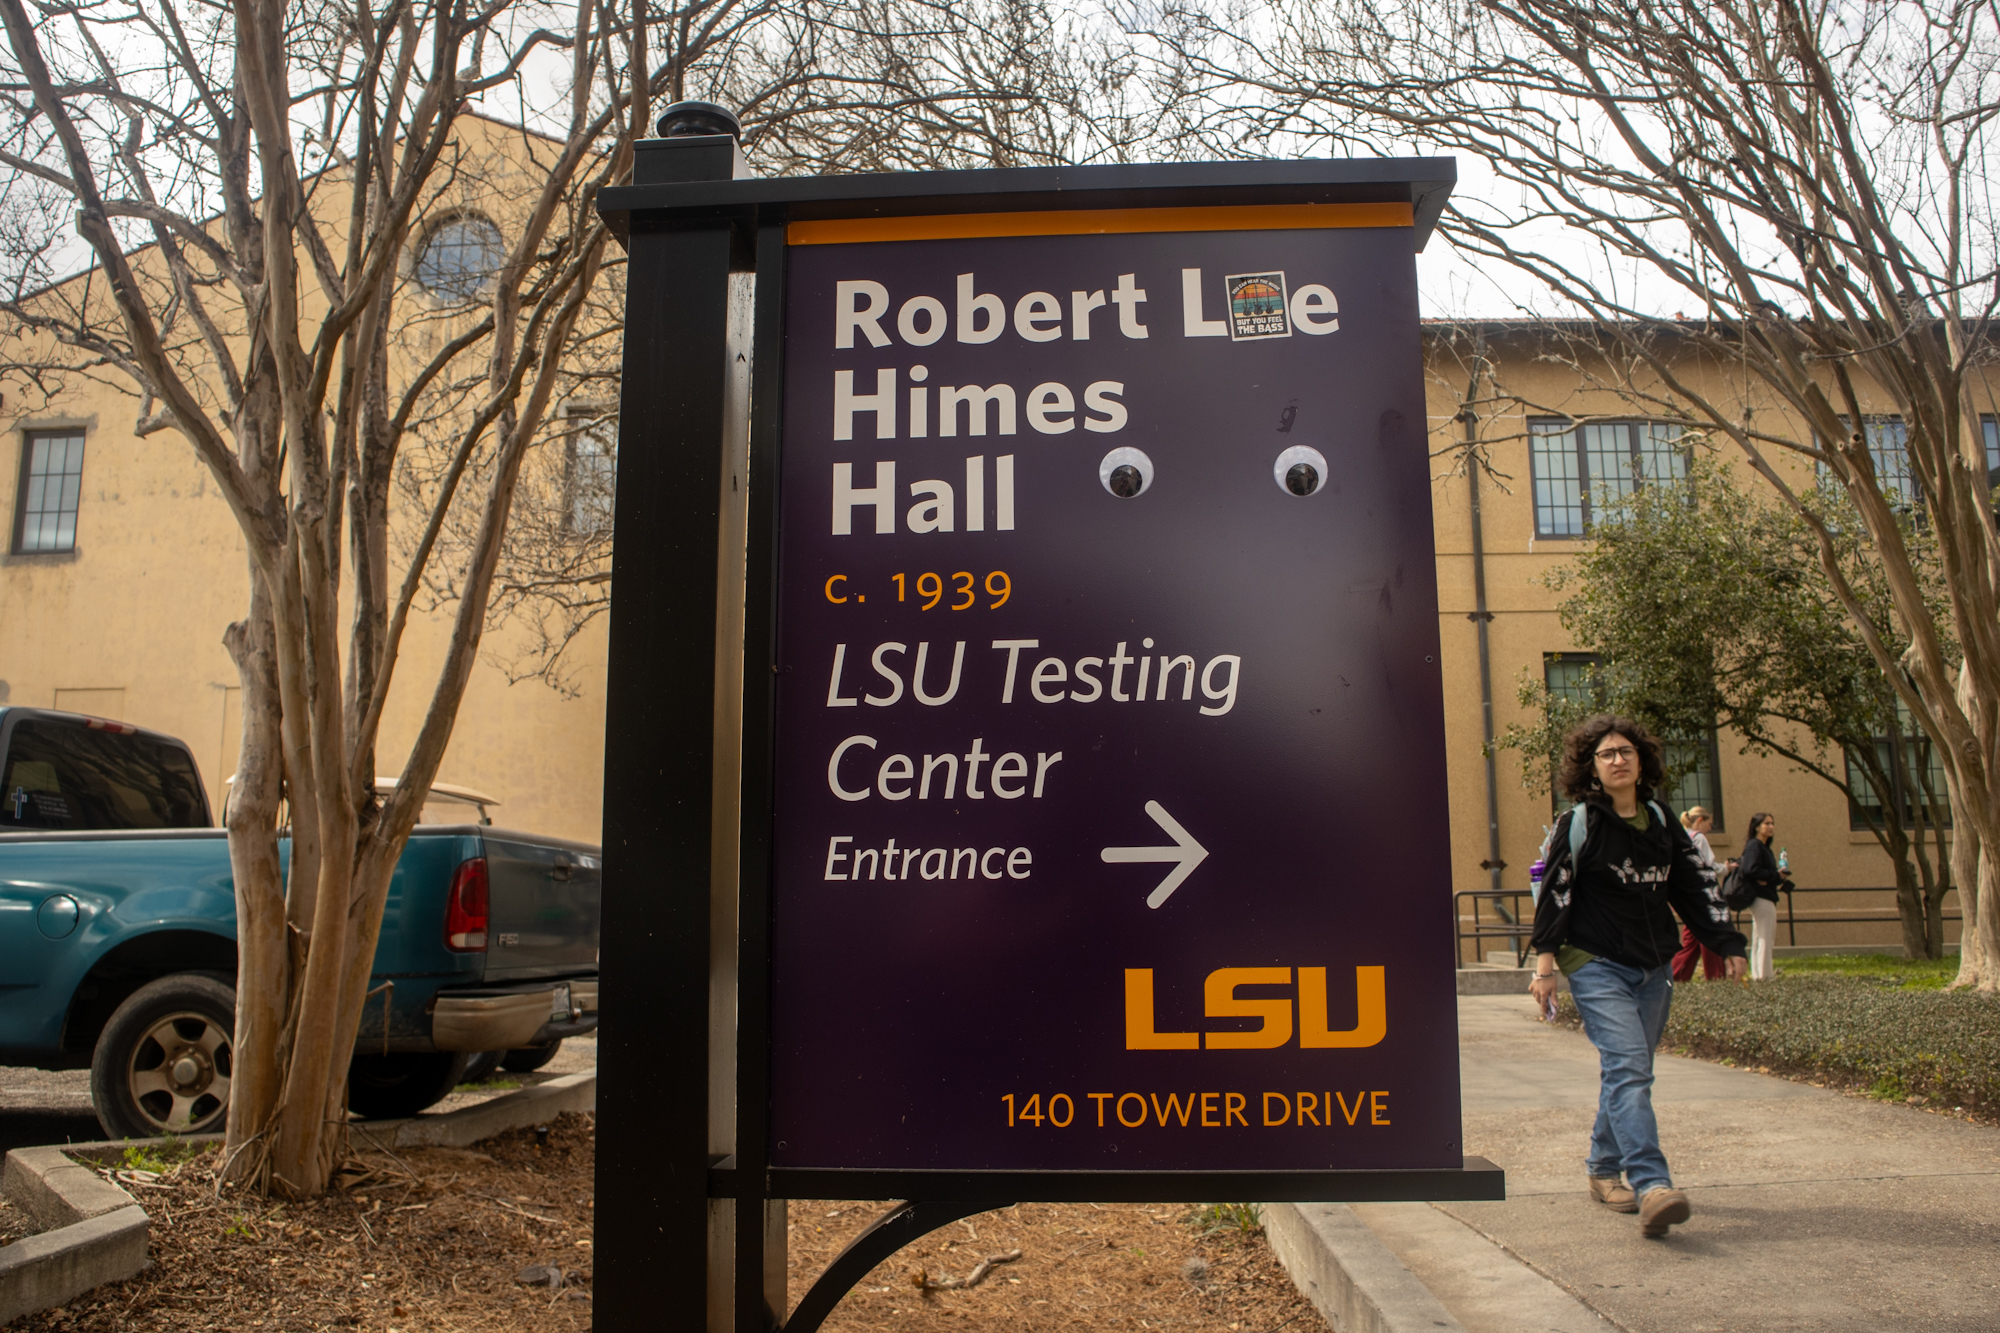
column 459, row 258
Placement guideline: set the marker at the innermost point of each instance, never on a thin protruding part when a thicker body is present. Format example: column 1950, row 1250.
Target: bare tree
column 264, row 321
column 1808, row 182
column 875, row 85
column 975, row 83
column 246, row 182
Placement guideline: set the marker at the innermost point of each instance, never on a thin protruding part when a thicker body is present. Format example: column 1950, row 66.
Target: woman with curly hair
column 1606, row 919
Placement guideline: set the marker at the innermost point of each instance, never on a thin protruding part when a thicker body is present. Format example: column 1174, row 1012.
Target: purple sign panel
column 1111, row 829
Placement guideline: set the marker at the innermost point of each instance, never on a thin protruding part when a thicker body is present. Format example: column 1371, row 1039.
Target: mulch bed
column 422, row 1239
column 14, row 1223
column 440, row 1238
column 1081, row 1266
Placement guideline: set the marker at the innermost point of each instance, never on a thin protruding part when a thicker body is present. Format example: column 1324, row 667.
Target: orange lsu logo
column 1221, row 1001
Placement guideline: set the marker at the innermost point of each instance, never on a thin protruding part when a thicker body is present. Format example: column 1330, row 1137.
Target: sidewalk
column 1813, row 1210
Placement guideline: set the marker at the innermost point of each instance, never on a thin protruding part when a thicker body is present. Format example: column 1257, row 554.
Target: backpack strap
column 1576, row 828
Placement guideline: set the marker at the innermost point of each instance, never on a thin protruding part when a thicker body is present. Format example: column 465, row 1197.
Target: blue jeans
column 1624, row 1012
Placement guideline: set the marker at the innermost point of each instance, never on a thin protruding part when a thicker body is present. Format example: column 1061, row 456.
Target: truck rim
column 180, row 1072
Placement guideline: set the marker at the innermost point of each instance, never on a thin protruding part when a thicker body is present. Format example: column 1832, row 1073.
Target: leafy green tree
column 1810, row 184
column 1710, row 607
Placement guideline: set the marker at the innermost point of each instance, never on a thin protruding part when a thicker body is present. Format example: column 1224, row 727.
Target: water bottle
column 1784, row 865
column 1535, row 881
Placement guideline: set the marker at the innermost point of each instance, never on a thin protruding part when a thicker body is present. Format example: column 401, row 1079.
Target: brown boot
column 1660, row 1209
column 1614, row 1194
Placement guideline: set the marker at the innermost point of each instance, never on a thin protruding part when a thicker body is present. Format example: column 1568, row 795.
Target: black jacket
column 1758, row 866
column 1621, row 904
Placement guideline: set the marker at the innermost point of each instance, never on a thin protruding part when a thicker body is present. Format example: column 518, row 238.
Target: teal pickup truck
column 118, row 935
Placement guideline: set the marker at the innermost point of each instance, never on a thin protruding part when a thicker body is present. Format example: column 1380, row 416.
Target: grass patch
column 498, row 1083
column 1907, row 973
column 1876, row 1025
column 157, row 1158
column 1245, row 1219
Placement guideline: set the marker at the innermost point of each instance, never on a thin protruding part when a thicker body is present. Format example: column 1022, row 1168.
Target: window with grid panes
column 1916, row 778
column 1692, row 766
column 1575, row 468
column 1888, row 441
column 592, row 478
column 459, row 257
column 1888, row 450
column 50, row 488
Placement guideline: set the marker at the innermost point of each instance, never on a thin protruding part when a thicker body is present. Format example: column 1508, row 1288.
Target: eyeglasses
column 1623, row 754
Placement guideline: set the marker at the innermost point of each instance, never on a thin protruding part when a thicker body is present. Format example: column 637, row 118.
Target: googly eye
column 1300, row 470
column 1126, row 472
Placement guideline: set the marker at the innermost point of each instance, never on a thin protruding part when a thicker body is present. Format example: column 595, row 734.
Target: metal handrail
column 1520, row 909
column 1496, row 925
column 1818, row 917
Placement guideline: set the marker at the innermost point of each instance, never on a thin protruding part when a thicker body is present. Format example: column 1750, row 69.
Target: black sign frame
column 688, row 1237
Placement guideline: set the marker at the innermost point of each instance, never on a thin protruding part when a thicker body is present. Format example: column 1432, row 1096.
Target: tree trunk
column 1974, row 964
column 1934, row 918
column 263, row 973
column 301, row 1151
column 1979, row 947
column 1910, row 905
column 1970, row 866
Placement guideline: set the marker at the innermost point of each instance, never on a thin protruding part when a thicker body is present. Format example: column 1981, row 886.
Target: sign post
column 1094, row 832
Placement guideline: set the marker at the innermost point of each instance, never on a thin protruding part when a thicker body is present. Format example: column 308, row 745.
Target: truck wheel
column 164, row 1061
column 527, row 1059
column 385, row 1087
column 481, row 1067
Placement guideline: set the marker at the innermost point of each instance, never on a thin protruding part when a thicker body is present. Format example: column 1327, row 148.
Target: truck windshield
column 70, row 775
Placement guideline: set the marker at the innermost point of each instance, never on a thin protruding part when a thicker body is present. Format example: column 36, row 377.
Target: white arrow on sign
column 1186, row 851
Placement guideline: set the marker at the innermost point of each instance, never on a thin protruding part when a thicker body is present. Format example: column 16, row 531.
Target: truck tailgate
column 545, row 900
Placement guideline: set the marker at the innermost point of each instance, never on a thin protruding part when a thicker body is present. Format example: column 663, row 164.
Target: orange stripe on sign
column 1098, row 222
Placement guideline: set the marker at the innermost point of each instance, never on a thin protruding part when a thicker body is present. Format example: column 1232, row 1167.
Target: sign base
column 1476, row 1179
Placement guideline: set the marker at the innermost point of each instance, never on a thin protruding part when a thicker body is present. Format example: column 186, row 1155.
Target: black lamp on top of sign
column 685, row 119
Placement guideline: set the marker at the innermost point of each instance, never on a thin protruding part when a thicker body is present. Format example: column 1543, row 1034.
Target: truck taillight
column 465, row 909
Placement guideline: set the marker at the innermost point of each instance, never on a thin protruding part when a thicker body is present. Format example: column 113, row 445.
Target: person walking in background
column 1762, row 871
column 1697, row 821
column 1606, row 919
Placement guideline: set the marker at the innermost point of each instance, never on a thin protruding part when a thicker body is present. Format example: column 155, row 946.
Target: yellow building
column 124, row 566
column 1504, row 533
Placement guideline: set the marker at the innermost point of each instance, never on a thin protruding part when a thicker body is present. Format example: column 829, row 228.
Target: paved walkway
column 1813, row 1210
column 38, row 1106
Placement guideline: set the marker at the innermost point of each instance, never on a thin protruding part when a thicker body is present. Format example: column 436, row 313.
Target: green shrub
column 1888, row 1033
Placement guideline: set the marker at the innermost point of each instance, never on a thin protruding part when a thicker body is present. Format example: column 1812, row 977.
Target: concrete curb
column 96, row 1232
column 512, row 1110
column 1349, row 1275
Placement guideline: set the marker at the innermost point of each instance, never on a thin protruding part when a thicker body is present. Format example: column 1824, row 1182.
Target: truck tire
column 527, row 1059
column 164, row 1062
column 385, row 1087
column 481, row 1067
